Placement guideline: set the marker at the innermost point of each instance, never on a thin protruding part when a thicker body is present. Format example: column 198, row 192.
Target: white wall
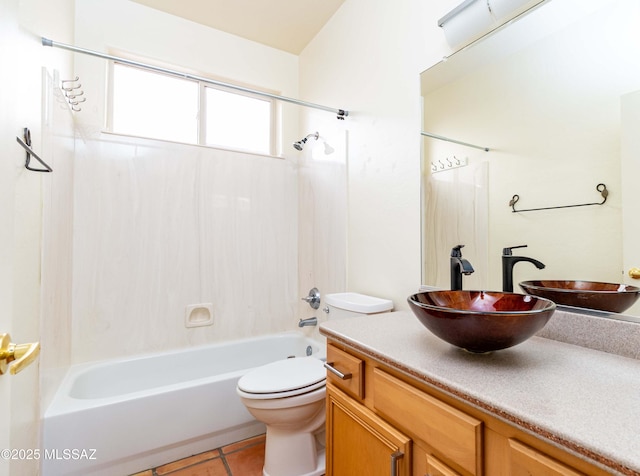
column 368, row 59
column 322, row 195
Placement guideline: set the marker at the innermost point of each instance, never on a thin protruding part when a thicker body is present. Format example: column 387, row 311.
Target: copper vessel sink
column 481, row 321
column 588, row 294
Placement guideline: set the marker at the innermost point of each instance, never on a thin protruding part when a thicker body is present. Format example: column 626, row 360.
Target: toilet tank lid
column 358, row 302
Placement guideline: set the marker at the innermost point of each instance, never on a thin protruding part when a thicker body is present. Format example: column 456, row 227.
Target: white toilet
column 288, row 396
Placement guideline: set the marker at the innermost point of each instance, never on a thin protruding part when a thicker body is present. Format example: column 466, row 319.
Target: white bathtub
column 118, row 417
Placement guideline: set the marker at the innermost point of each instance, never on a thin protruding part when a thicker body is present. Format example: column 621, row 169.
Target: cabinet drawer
column 352, row 369
column 524, row 460
column 450, row 432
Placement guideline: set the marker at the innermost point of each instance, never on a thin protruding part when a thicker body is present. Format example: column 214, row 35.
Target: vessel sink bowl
column 481, row 321
column 588, row 294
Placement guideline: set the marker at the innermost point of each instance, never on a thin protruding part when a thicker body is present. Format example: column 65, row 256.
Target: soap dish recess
column 198, row 315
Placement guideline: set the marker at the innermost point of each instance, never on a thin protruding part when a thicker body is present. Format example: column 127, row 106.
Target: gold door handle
column 21, row 355
column 634, row 273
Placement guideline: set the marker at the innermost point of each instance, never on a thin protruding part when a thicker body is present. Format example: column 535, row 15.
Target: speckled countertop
column 586, row 401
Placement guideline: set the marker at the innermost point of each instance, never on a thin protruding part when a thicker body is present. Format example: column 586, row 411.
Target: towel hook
column 64, row 88
column 75, row 95
column 26, row 144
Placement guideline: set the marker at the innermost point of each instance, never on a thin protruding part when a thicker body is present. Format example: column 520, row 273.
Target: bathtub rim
column 63, row 403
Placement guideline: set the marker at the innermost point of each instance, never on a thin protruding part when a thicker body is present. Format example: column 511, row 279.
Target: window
column 237, row 121
column 159, row 106
column 154, row 105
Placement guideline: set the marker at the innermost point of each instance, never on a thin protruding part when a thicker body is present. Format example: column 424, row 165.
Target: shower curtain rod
column 435, row 136
column 341, row 113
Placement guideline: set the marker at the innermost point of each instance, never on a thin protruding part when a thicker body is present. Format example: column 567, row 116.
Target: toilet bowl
column 288, row 396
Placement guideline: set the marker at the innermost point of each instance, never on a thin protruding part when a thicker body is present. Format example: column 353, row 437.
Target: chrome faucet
column 459, row 266
column 508, row 262
column 312, row 321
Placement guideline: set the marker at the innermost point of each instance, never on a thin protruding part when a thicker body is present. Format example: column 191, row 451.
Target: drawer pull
column 394, row 462
column 334, row 371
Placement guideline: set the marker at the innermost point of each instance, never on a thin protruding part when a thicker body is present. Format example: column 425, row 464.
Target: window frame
column 202, row 108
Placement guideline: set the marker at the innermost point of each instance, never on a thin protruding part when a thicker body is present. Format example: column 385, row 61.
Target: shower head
column 328, row 150
column 300, row 144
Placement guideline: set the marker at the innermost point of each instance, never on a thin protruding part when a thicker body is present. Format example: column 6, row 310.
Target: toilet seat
column 283, row 378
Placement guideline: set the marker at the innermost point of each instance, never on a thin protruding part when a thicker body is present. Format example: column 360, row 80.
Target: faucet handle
column 313, row 298
column 507, row 251
column 456, row 251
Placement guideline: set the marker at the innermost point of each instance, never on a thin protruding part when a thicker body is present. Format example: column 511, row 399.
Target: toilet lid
column 284, row 376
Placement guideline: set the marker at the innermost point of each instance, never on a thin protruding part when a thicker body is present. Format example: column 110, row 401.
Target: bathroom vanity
column 411, row 404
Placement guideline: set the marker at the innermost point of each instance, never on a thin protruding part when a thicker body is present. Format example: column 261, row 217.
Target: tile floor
column 244, row 458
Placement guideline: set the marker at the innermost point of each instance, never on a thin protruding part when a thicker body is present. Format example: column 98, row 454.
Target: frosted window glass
column 237, row 121
column 154, row 105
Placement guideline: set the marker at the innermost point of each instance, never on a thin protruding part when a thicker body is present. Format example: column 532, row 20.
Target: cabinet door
column 359, row 442
column 435, row 467
column 454, row 435
column 525, row 461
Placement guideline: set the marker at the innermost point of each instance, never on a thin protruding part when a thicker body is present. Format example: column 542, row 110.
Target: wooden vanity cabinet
column 381, row 422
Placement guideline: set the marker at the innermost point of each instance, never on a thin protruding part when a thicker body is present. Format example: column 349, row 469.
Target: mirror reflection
column 555, row 96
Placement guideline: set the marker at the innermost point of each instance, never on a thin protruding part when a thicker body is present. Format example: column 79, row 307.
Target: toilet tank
column 341, row 305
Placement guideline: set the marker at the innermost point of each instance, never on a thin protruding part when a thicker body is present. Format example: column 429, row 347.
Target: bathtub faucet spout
column 312, row 321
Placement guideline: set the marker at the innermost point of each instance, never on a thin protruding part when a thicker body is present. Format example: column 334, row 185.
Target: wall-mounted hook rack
column 602, row 188
column 72, row 92
column 448, row 164
column 26, row 144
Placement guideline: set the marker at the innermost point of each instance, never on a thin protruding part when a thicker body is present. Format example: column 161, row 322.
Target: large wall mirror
column 555, row 96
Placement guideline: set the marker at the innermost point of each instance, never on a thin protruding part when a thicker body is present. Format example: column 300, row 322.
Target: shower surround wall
column 58, row 145
column 159, row 226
